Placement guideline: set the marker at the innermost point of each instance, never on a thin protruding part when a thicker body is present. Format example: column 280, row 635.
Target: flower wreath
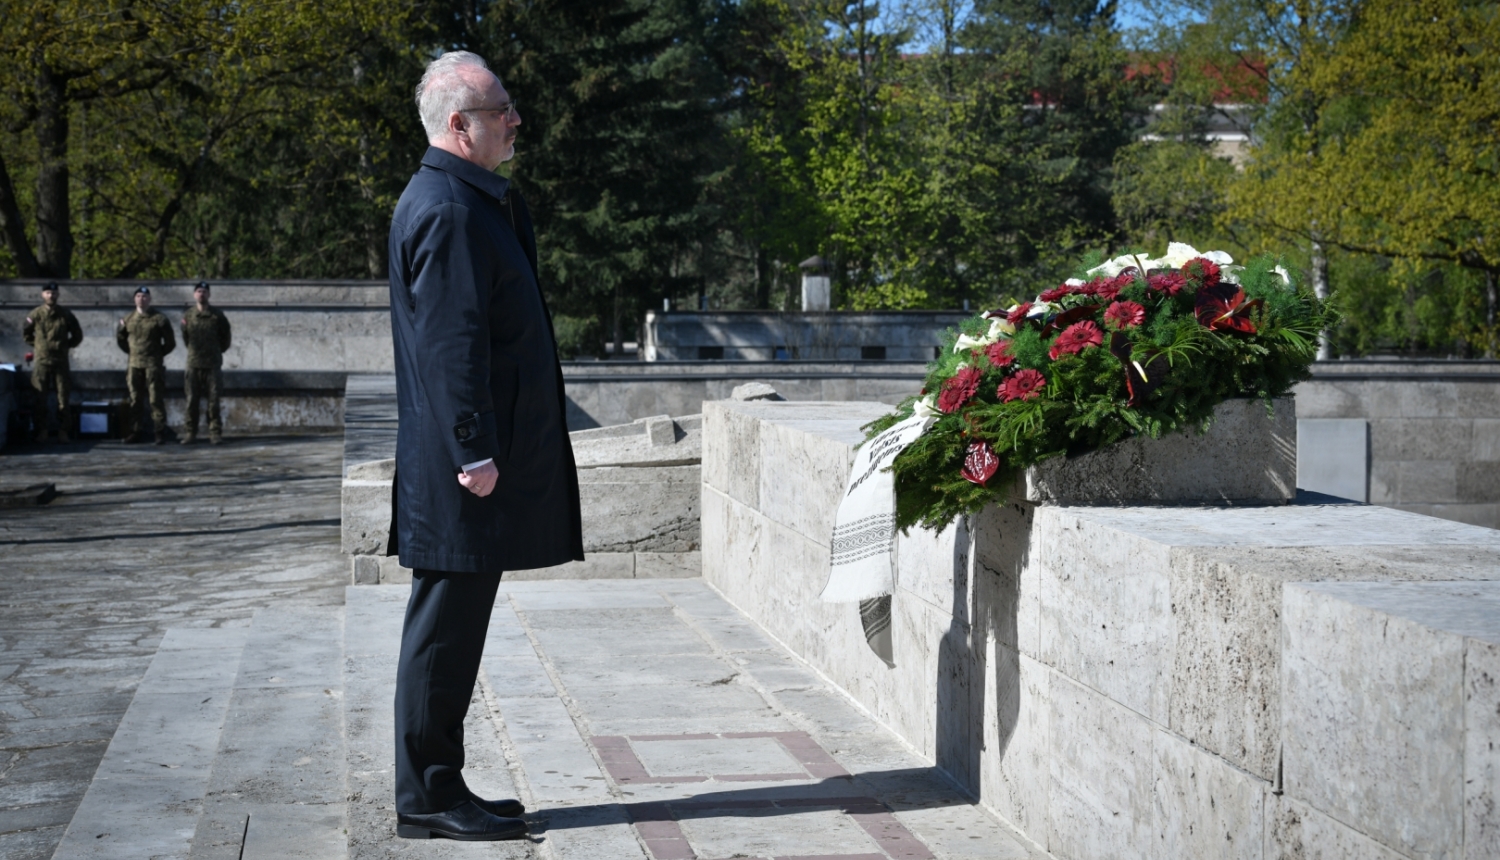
column 1133, row 346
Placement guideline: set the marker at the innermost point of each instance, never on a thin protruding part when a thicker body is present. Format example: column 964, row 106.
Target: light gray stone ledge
column 1181, row 680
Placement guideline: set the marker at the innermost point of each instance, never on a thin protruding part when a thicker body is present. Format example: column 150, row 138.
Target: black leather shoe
column 467, row 823
column 504, row 808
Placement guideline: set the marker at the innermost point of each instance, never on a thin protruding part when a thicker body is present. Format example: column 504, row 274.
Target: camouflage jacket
column 147, row 337
column 206, row 334
column 51, row 332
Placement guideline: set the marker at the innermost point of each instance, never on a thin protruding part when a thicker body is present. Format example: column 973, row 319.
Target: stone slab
column 1333, row 457
column 1374, row 706
column 148, row 790
column 1246, row 456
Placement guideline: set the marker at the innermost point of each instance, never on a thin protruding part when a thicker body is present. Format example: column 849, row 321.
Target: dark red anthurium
column 980, row 463
column 1222, row 307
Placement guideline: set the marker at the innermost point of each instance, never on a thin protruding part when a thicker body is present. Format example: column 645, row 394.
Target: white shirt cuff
column 469, row 467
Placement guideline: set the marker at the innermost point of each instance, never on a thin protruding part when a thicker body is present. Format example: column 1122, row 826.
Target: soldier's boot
column 215, row 437
column 161, row 437
column 189, row 436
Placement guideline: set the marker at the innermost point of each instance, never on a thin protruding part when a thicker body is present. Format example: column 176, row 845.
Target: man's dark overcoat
column 477, row 377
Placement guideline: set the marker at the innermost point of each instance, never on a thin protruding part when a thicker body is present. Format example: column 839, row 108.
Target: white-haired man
column 485, row 480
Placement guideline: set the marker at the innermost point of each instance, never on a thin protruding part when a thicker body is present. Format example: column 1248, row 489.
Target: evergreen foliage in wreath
column 1133, row 346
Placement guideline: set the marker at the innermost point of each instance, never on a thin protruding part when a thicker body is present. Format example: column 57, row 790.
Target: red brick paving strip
column 892, row 836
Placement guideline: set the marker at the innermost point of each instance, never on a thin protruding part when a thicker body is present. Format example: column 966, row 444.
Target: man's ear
column 457, row 124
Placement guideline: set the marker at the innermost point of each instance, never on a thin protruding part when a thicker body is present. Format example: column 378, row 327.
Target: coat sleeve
column 169, row 338
column 223, row 333
column 122, row 337
column 75, row 332
column 28, row 332
column 451, row 278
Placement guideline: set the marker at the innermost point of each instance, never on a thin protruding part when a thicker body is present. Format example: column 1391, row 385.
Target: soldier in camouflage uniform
column 205, row 330
column 147, row 336
column 52, row 330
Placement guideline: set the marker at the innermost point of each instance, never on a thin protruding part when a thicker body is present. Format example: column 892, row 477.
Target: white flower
column 1074, row 282
column 1219, row 257
column 1230, row 274
column 1000, row 327
column 965, row 342
column 927, row 407
column 1177, row 254
column 1286, row 277
column 1041, row 308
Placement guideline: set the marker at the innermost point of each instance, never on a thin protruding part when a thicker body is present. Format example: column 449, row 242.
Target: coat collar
column 490, row 183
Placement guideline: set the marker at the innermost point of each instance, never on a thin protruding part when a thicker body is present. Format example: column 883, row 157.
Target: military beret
column 140, row 290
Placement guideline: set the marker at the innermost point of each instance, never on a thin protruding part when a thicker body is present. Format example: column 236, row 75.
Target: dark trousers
column 441, row 642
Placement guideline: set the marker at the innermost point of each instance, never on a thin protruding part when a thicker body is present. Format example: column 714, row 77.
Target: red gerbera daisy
column 1056, row 293
column 999, row 353
column 1122, row 315
column 1170, row 283
column 1024, row 385
column 1205, row 270
column 1105, row 288
column 980, row 463
column 1076, row 338
column 1018, row 313
column 959, row 389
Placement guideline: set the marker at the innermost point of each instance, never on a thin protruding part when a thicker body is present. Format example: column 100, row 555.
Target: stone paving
column 185, row 609
column 649, row 720
column 141, row 539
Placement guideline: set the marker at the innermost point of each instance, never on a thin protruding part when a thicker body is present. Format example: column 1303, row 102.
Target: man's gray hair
column 444, row 90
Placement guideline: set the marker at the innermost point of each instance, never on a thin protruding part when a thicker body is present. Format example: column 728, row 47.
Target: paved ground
column 650, row 720
column 142, row 539
column 638, row 719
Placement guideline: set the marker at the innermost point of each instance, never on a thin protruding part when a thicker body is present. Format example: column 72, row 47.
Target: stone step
column 276, row 787
column 147, row 794
column 372, row 641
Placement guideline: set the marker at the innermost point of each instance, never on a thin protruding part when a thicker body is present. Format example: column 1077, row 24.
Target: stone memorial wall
column 1248, row 679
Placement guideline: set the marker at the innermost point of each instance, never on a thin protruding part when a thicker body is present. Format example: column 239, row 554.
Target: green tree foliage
column 620, row 146
column 127, row 119
column 953, row 155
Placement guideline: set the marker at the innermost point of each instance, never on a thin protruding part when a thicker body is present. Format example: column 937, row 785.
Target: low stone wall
column 1237, row 681
column 638, row 491
column 1420, row 436
column 252, row 402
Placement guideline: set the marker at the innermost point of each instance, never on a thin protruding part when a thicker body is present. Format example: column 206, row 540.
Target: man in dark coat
column 485, row 479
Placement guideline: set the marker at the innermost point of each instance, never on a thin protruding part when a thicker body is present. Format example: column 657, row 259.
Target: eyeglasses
column 506, row 110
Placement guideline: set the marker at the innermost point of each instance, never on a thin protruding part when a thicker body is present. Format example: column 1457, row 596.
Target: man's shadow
column 980, row 647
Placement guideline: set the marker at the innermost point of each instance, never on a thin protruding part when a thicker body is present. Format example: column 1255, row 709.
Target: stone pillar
column 817, row 286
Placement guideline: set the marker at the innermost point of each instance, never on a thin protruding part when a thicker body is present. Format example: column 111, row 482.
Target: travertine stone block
column 1205, row 808
column 731, row 448
column 934, row 567
column 802, row 479
column 1296, row 831
column 365, row 516
column 1016, row 771
column 1225, row 673
column 1246, row 456
column 640, row 508
column 1481, row 750
column 1373, row 710
column 1102, row 773
column 1007, row 585
column 1106, row 613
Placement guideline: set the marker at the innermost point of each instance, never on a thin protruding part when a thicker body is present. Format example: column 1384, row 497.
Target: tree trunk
column 14, row 228
column 762, row 278
column 54, row 228
column 1320, row 289
column 619, row 329
column 1491, row 299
